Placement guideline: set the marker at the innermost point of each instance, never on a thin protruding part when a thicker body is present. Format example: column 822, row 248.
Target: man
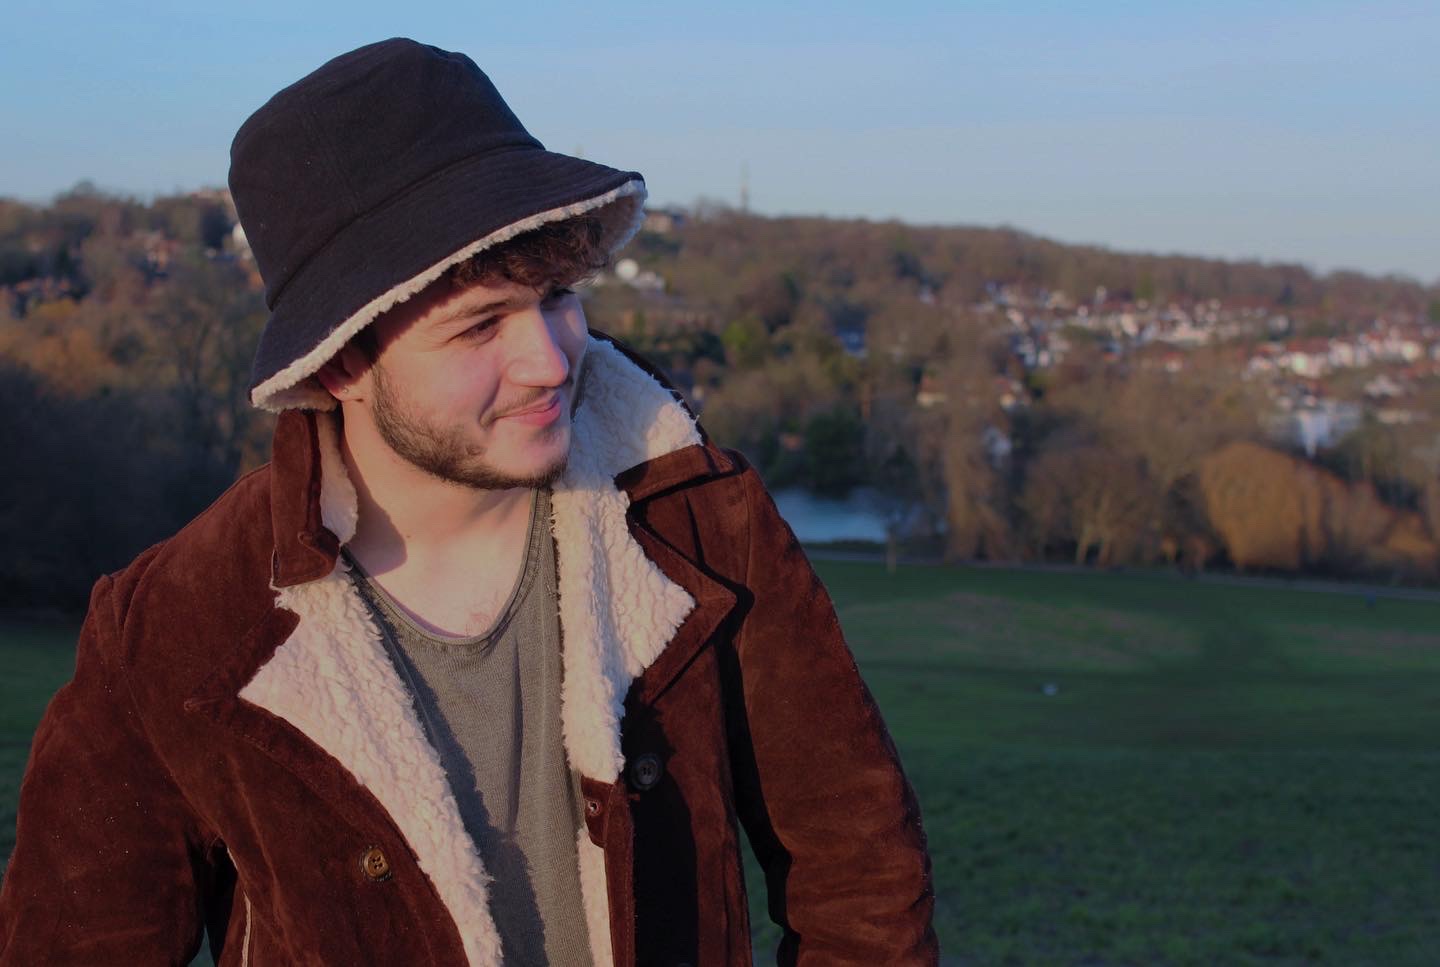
column 364, row 709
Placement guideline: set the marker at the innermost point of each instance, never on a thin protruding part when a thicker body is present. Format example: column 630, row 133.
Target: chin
column 545, row 474
column 537, row 468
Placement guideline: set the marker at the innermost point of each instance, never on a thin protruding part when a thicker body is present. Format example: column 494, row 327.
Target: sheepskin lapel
column 333, row 681
column 617, row 609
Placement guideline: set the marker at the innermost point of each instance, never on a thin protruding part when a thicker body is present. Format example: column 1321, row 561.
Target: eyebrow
column 466, row 309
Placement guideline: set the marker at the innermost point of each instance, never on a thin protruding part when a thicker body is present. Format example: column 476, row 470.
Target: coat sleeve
column 820, row 789
column 105, row 864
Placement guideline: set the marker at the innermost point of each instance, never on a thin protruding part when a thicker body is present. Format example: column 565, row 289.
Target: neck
column 408, row 515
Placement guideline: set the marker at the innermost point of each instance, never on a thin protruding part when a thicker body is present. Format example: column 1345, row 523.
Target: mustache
column 532, row 398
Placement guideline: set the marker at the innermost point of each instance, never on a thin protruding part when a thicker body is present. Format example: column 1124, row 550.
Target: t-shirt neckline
column 396, row 612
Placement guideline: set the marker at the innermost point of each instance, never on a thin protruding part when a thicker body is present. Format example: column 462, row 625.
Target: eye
column 481, row 329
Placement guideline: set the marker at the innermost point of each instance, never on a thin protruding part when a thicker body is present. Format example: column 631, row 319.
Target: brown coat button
column 646, row 771
column 592, row 807
column 374, row 864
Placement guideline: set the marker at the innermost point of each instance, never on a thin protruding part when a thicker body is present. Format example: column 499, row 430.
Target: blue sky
column 1294, row 131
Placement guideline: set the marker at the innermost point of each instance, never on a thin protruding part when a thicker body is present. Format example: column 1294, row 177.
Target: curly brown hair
column 561, row 253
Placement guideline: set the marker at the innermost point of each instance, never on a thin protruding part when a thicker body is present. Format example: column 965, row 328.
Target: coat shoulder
column 232, row 533
column 206, row 584
column 707, row 515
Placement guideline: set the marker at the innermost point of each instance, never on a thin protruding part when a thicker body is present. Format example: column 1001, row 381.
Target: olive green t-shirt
column 490, row 704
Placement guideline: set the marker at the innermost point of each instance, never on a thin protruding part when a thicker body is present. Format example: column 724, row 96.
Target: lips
column 538, row 415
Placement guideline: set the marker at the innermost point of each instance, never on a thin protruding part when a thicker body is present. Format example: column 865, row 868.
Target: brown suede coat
column 224, row 760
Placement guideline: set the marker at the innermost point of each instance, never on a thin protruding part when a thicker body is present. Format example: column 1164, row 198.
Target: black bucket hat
column 363, row 182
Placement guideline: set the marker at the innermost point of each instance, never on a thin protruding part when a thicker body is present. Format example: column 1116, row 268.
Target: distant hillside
column 719, row 257
column 996, row 393
column 723, row 256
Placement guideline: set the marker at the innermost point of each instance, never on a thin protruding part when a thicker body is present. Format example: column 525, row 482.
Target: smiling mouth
column 539, row 414
column 536, row 407
column 546, row 406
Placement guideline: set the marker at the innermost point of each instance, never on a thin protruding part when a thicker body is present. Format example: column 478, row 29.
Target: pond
column 822, row 519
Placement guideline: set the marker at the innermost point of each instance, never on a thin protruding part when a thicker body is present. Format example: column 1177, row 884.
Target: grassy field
column 1118, row 769
column 37, row 658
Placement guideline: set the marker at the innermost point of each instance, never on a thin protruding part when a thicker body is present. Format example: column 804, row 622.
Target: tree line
column 1104, row 458
column 127, row 330
column 125, row 346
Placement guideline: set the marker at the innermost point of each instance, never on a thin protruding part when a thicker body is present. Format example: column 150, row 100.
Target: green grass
column 38, row 657
column 1223, row 775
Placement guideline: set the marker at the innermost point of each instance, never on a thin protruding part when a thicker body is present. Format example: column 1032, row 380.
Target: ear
column 345, row 375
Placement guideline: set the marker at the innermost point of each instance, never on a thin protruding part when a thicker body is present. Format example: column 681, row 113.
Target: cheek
column 463, row 383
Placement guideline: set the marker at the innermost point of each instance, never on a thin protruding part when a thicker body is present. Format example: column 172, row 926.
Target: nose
column 538, row 355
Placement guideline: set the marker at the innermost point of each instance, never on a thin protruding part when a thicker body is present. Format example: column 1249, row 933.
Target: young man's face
column 477, row 386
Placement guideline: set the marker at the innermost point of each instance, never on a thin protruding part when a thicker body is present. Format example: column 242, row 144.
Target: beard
column 443, row 452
